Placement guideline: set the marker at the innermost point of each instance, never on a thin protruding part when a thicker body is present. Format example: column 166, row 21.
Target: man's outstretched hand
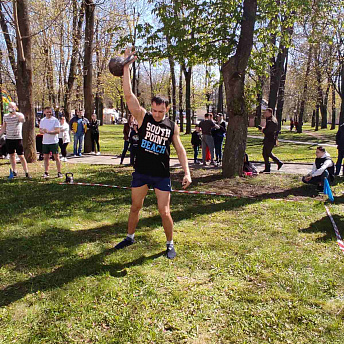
column 186, row 181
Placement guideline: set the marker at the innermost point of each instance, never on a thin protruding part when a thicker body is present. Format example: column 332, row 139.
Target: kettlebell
column 117, row 63
column 69, row 178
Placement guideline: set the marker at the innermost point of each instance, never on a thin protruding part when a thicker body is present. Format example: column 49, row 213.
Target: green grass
column 111, row 141
column 248, row 270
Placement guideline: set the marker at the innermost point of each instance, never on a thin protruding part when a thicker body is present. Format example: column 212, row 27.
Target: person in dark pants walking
column 94, row 127
column 134, row 139
column 340, row 147
column 218, row 135
column 126, row 134
column 270, row 136
column 196, row 141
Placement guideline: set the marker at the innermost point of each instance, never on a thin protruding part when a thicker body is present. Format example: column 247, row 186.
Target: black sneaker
column 59, row 175
column 45, row 175
column 28, row 176
column 15, row 174
column 124, row 243
column 280, row 164
column 170, row 251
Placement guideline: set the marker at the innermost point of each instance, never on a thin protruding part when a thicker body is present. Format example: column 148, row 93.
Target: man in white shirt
column 50, row 128
column 13, row 126
column 323, row 167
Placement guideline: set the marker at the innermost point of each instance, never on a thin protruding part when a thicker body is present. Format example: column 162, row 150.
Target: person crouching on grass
column 152, row 162
column 323, row 167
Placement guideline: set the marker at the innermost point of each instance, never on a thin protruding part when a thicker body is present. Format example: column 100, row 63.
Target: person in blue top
column 78, row 125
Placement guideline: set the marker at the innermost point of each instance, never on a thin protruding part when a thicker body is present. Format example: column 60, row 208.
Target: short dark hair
column 160, row 100
column 270, row 110
column 48, row 108
column 321, row 148
column 206, row 115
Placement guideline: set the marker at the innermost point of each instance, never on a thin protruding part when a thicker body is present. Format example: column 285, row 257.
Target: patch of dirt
column 263, row 186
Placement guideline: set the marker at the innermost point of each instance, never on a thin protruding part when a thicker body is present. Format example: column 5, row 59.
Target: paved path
column 307, row 143
column 290, row 168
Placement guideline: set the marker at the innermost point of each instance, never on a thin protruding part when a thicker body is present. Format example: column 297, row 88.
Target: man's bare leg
column 137, row 197
column 164, row 198
column 13, row 162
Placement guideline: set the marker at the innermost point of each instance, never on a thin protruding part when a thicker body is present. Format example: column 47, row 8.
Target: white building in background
column 110, row 116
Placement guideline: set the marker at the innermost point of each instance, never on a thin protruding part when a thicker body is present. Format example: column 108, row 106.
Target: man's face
column 267, row 114
column 159, row 111
column 48, row 113
column 79, row 114
column 319, row 153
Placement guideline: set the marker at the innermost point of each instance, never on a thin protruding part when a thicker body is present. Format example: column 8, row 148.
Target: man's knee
column 164, row 211
column 135, row 207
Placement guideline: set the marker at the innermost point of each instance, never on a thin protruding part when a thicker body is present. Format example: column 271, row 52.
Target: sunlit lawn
column 111, row 140
column 248, row 270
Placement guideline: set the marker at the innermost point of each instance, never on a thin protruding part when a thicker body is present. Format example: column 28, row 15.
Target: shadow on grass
column 324, row 226
column 67, row 273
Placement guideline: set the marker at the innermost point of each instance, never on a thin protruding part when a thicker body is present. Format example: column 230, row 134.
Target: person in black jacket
column 218, row 135
column 94, row 127
column 270, row 137
column 196, row 141
column 340, row 147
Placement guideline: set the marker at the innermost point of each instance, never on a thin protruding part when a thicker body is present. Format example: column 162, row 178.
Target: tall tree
column 234, row 71
column 24, row 82
column 88, row 67
column 78, row 19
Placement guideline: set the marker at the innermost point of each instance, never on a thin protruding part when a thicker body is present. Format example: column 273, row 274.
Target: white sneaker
column 93, row 152
column 98, row 153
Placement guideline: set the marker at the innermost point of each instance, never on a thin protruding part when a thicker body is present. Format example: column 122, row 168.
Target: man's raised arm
column 133, row 104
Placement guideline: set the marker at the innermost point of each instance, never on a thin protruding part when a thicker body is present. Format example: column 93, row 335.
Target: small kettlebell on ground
column 69, row 178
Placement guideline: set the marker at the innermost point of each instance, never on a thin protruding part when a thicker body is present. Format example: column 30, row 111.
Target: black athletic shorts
column 15, row 146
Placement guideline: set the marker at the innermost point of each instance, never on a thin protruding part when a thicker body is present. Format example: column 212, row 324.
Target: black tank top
column 153, row 152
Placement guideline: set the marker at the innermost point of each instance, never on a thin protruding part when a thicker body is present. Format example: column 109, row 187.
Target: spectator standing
column 291, row 124
column 218, row 135
column 134, row 144
column 207, row 140
column 126, row 133
column 94, row 127
column 323, row 167
column 13, row 126
column 340, row 147
column 78, row 126
column 49, row 126
column 64, row 137
column 196, row 141
column 270, row 138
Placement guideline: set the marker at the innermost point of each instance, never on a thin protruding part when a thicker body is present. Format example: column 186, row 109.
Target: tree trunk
column 88, row 68
column 1, row 102
column 234, row 76
column 173, row 80
column 181, row 119
column 305, row 88
column 258, row 117
column 325, row 106
column 77, row 25
column 24, row 83
column 9, row 44
column 280, row 102
column 277, row 69
column 187, row 74
column 341, row 115
column 220, row 99
column 333, row 124
column 317, row 111
column 313, row 119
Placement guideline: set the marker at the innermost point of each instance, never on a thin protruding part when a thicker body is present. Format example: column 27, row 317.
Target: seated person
column 323, row 167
